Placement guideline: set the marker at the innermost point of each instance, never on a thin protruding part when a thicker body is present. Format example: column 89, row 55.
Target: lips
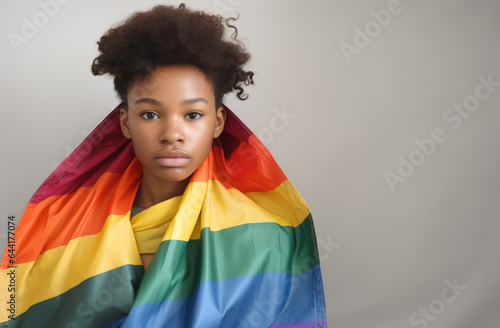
column 172, row 158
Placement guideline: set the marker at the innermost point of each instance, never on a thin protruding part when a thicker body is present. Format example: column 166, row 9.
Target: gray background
column 388, row 254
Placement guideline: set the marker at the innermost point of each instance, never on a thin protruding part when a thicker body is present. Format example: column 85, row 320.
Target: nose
column 172, row 130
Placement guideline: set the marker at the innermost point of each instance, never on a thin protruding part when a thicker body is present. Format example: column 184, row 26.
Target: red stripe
column 106, row 150
column 247, row 169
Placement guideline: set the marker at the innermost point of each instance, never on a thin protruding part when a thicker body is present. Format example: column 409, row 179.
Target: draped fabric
column 237, row 249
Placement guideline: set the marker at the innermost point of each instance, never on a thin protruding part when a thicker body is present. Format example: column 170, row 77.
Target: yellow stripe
column 225, row 208
column 149, row 229
column 59, row 269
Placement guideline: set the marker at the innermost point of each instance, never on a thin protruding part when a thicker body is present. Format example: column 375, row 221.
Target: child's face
column 172, row 121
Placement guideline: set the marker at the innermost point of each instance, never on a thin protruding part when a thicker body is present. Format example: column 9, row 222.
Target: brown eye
column 194, row 115
column 149, row 115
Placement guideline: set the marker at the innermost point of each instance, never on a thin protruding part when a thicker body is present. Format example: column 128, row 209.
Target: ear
column 124, row 123
column 220, row 120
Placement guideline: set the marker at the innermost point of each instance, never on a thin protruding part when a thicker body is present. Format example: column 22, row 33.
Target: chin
column 174, row 177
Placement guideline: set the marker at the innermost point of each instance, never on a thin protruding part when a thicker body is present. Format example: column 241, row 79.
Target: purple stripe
column 303, row 324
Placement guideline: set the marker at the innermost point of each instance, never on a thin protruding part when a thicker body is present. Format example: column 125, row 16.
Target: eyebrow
column 194, row 100
column 183, row 103
column 148, row 101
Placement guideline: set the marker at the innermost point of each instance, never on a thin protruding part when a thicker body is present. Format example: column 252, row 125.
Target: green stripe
column 88, row 304
column 178, row 266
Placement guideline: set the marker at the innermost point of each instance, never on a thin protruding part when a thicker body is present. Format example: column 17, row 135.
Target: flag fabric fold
column 237, row 249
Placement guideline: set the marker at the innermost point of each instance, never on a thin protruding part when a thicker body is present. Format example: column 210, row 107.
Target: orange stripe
column 58, row 219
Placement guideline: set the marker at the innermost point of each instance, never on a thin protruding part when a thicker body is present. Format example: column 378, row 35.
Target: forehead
column 172, row 82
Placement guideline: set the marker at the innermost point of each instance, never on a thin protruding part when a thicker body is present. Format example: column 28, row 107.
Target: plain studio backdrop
column 384, row 115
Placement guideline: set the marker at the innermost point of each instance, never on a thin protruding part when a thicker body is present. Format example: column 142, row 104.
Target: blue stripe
column 258, row 300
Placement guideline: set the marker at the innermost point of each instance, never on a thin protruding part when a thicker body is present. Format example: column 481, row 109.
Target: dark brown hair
column 166, row 35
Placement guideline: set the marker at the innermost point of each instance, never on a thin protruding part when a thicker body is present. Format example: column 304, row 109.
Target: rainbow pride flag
column 239, row 248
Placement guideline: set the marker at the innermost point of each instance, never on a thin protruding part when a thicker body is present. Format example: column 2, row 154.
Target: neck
column 153, row 191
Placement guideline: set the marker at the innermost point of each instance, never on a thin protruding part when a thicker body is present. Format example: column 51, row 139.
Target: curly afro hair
column 166, row 35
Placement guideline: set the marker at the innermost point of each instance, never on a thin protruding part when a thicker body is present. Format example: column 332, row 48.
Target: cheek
column 203, row 139
column 138, row 149
column 141, row 142
column 144, row 133
column 200, row 132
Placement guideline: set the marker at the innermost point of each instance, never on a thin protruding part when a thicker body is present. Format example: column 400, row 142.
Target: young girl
column 171, row 213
